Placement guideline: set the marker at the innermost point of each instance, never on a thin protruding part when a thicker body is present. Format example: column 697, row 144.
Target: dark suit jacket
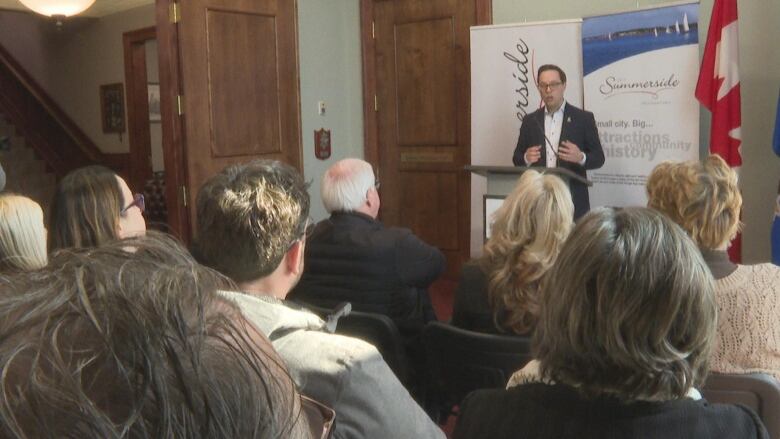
column 579, row 127
column 542, row 411
column 351, row 257
column 471, row 309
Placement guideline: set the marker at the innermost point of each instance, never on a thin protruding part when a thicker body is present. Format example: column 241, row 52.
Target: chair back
column 462, row 361
column 380, row 331
column 376, row 329
column 759, row 391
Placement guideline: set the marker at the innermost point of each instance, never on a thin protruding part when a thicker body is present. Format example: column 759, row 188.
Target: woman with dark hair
column 627, row 321
column 108, row 343
column 92, row 206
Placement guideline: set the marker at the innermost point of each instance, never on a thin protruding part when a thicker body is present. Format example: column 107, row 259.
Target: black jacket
column 543, row 411
column 579, row 127
column 350, row 257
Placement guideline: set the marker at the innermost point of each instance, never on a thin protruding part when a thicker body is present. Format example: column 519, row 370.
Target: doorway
column 146, row 168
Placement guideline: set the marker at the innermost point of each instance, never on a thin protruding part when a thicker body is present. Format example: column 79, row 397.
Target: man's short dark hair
column 248, row 217
column 547, row 67
column 131, row 339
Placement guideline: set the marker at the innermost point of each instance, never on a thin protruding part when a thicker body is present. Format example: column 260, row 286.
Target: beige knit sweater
column 748, row 338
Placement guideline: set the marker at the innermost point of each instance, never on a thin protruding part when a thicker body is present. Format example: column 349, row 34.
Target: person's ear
column 294, row 257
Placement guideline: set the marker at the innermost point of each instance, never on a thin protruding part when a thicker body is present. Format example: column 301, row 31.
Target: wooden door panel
column 428, row 201
column 239, row 74
column 427, row 104
column 243, row 86
column 422, row 123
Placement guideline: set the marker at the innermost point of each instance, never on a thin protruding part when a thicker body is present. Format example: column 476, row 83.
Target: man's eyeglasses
column 308, row 229
column 138, row 201
column 376, row 184
column 550, row 86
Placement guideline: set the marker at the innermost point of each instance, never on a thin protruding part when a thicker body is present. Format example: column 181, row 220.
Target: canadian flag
column 718, row 90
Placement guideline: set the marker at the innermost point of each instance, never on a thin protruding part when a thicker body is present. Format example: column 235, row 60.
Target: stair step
column 25, row 173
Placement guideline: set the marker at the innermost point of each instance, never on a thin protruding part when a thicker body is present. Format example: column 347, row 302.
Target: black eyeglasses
column 550, row 86
column 138, row 201
column 306, row 233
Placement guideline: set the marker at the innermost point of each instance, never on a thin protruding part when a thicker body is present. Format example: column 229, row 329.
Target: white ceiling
column 99, row 9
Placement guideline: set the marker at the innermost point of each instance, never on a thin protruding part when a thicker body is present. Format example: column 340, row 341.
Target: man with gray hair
column 352, row 257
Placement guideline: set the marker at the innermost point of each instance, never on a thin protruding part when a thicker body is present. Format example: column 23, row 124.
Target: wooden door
column 136, row 89
column 239, row 81
column 422, row 87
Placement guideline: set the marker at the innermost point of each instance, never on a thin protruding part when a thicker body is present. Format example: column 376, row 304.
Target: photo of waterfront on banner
column 609, row 38
column 640, row 71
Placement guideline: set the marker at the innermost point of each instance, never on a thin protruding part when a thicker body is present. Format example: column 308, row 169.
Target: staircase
column 26, row 174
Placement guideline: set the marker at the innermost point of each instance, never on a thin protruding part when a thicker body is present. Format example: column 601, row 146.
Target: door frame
column 173, row 134
column 140, row 162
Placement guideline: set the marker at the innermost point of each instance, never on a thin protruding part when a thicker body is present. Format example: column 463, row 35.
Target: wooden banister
column 44, row 125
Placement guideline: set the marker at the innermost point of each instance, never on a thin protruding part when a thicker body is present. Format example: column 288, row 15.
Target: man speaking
column 560, row 135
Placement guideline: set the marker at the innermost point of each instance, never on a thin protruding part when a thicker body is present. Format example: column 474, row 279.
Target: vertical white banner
column 640, row 72
column 504, row 60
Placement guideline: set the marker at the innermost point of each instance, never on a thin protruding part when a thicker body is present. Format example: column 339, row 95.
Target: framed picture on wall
column 154, row 102
column 490, row 204
column 112, row 107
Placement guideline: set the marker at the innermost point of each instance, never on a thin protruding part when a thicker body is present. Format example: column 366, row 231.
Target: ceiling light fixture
column 58, row 9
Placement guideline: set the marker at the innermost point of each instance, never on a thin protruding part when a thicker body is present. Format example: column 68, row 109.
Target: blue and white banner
column 640, row 70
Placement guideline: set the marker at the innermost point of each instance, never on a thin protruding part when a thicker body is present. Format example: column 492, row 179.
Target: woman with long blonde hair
column 498, row 292
column 22, row 234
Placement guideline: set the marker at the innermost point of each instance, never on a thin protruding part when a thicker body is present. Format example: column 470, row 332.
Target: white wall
column 70, row 64
column 759, row 82
column 330, row 71
column 87, row 58
column 24, row 36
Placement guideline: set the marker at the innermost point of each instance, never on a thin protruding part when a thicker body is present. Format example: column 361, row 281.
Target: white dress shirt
column 553, row 123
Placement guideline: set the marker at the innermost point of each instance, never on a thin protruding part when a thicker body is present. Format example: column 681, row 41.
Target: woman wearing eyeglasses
column 92, row 206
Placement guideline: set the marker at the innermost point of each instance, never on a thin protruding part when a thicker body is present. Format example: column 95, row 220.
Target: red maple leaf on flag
column 718, row 90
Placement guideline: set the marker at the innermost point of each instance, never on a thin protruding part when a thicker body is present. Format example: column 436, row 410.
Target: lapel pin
column 568, row 120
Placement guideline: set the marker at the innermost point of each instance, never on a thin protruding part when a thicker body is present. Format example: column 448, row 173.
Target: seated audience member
column 108, row 343
column 92, row 206
column 352, row 257
column 704, row 199
column 626, row 324
column 251, row 227
column 498, row 293
column 22, row 234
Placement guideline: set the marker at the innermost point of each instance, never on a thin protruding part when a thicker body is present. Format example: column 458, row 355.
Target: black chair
column 376, row 329
column 759, row 391
column 462, row 361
